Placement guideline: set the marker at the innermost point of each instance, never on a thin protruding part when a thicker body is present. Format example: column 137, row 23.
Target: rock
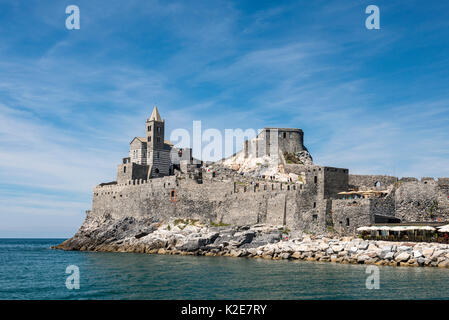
column 443, row 264
column 191, row 229
column 417, row 254
column 296, row 255
column 402, row 257
column 362, row 258
column 337, row 248
column 353, row 250
column 388, row 256
column 421, row 261
column 284, row 255
column 235, row 253
column 140, row 235
column 404, row 249
column 428, row 252
column 211, row 237
column 191, row 244
column 436, row 254
column 363, row 246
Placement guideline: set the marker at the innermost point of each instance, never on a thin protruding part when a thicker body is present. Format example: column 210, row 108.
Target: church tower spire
column 155, row 115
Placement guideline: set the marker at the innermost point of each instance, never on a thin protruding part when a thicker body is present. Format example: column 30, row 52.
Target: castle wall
column 213, row 201
column 348, row 215
column 421, row 201
column 291, row 140
column 369, row 181
column 131, row 171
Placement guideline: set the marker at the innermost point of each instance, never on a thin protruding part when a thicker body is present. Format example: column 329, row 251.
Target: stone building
column 160, row 181
column 152, row 156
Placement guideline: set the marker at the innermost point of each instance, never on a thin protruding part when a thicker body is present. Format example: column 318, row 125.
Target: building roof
column 155, row 115
column 141, row 139
column 144, row 140
column 364, row 192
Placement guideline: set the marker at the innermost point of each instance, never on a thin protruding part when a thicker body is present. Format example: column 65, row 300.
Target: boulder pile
column 189, row 237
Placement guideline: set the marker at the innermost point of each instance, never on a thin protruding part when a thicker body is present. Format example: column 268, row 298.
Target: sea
column 30, row 269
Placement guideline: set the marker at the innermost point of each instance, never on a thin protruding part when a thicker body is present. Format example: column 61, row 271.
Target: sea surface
column 29, row 269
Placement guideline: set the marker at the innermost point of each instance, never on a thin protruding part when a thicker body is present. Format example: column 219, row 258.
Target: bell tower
column 155, row 128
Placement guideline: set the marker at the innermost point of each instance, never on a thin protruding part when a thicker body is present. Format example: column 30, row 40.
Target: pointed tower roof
column 155, row 115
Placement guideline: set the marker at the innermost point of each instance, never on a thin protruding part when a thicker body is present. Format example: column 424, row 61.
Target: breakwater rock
column 189, row 237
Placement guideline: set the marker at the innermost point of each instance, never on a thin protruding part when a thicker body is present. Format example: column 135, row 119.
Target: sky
column 373, row 101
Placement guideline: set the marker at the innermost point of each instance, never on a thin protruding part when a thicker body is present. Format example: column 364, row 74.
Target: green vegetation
column 290, row 158
column 185, row 221
column 219, row 224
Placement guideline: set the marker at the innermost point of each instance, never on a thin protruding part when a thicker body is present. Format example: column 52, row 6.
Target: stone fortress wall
column 312, row 203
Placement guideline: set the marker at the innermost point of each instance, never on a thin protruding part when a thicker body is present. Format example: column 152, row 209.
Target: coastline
column 189, row 237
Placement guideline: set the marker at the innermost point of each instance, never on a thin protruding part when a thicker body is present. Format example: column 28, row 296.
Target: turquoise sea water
column 29, row 269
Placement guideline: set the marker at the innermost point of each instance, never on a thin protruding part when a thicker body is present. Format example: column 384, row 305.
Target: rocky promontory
column 190, row 237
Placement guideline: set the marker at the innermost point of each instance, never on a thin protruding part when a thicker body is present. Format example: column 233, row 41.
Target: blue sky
column 373, row 101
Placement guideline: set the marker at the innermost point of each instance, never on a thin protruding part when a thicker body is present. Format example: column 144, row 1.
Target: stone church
column 152, row 156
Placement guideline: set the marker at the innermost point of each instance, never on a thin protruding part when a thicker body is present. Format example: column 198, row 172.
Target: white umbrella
column 364, row 229
column 399, row 228
column 444, row 228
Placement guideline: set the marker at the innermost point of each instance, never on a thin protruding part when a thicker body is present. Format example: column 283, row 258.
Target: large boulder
column 402, row 257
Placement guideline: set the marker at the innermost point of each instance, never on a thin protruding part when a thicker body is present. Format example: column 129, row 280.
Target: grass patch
column 191, row 222
column 290, row 158
column 219, row 224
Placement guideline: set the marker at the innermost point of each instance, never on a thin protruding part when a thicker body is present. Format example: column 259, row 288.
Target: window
column 124, row 169
column 377, row 184
column 173, row 195
column 158, row 155
column 315, row 217
column 158, row 139
column 159, row 129
column 149, row 128
column 285, row 135
column 149, row 138
column 314, row 204
column 347, row 222
column 290, row 135
column 315, row 179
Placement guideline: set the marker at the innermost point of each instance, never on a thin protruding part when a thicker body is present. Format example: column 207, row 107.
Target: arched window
column 377, row 184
